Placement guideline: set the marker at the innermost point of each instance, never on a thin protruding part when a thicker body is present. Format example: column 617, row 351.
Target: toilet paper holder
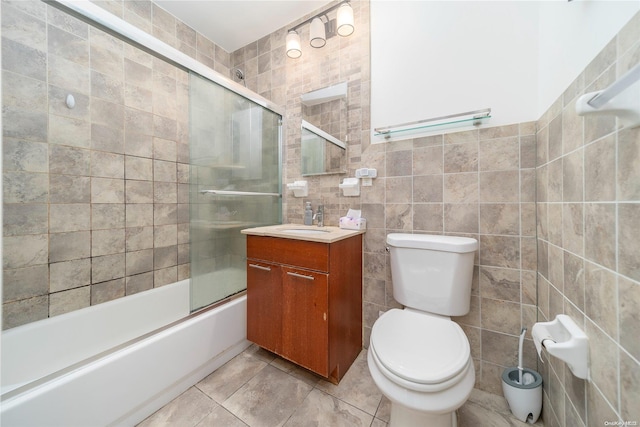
column 564, row 339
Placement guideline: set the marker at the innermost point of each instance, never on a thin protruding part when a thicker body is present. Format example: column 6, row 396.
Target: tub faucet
column 319, row 216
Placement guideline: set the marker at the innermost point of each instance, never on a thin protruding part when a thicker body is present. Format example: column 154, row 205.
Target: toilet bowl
column 422, row 363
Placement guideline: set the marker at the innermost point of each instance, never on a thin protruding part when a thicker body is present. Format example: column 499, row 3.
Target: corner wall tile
column 628, row 246
column 25, row 311
column 628, row 171
column 68, row 301
column 25, row 218
column 25, row 187
column 23, row 27
column 25, row 156
column 629, row 386
column 22, row 283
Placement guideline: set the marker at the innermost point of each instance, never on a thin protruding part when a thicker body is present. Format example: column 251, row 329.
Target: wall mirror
column 324, row 130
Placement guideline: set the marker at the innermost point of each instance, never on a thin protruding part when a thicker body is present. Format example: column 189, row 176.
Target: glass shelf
column 475, row 118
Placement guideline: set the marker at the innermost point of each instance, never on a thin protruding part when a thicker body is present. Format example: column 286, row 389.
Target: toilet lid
column 418, row 347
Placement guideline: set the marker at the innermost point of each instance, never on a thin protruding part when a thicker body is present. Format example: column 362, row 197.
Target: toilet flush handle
column 386, row 248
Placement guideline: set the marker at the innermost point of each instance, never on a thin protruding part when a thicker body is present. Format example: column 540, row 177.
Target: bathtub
column 115, row 363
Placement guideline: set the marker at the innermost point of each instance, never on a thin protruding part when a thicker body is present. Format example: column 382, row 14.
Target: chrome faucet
column 319, row 216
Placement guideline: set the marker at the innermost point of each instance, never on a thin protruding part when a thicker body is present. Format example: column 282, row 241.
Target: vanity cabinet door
column 264, row 304
column 305, row 320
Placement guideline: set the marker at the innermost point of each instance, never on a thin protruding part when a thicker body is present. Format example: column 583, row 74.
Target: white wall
column 571, row 35
column 430, row 59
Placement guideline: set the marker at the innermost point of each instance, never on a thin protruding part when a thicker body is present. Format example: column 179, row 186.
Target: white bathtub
column 92, row 368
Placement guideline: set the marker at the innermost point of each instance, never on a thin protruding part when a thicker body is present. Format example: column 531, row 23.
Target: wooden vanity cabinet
column 304, row 301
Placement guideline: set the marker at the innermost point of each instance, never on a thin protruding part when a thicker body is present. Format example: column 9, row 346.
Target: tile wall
column 95, row 197
column 588, row 193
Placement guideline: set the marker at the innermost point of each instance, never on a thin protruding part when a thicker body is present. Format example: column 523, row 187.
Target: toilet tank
column 432, row 273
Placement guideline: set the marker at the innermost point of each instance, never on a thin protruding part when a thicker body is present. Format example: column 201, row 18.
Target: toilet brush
column 527, row 377
column 522, row 388
column 520, row 343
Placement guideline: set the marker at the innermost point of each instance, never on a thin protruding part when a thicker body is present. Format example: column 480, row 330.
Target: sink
column 304, row 231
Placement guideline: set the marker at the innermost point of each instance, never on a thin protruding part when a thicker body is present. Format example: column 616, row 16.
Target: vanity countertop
column 309, row 233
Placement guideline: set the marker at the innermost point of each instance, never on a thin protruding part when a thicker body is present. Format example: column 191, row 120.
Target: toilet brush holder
column 525, row 400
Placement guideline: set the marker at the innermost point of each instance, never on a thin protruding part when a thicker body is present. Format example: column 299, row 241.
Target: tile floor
column 258, row 389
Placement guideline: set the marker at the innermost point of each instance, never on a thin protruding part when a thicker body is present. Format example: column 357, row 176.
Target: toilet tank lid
column 433, row 242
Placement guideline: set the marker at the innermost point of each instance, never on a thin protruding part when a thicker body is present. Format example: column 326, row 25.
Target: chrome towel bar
column 238, row 193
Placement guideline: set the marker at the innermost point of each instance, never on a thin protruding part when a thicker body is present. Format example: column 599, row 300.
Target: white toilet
column 418, row 357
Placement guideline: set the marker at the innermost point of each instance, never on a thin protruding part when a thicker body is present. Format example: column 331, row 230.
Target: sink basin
column 304, row 231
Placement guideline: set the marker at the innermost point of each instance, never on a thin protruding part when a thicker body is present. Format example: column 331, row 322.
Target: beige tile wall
column 588, row 181
column 95, row 197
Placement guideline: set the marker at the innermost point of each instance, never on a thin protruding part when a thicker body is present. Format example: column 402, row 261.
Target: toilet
column 418, row 357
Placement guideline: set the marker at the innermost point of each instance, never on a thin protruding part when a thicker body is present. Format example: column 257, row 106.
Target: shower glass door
column 235, row 184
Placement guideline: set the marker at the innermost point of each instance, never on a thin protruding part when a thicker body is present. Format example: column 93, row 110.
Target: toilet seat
column 419, row 351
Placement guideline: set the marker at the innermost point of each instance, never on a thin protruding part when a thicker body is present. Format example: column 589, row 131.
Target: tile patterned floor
column 258, row 389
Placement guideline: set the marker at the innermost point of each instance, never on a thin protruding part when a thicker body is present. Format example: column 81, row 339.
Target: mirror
column 323, row 130
column 321, row 152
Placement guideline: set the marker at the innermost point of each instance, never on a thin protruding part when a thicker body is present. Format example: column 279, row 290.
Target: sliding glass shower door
column 235, row 184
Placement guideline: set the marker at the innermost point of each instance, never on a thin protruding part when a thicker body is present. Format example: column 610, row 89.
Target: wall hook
column 70, row 101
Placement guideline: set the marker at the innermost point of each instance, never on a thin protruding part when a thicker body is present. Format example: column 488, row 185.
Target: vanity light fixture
column 345, row 20
column 322, row 28
column 317, row 33
column 293, row 44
